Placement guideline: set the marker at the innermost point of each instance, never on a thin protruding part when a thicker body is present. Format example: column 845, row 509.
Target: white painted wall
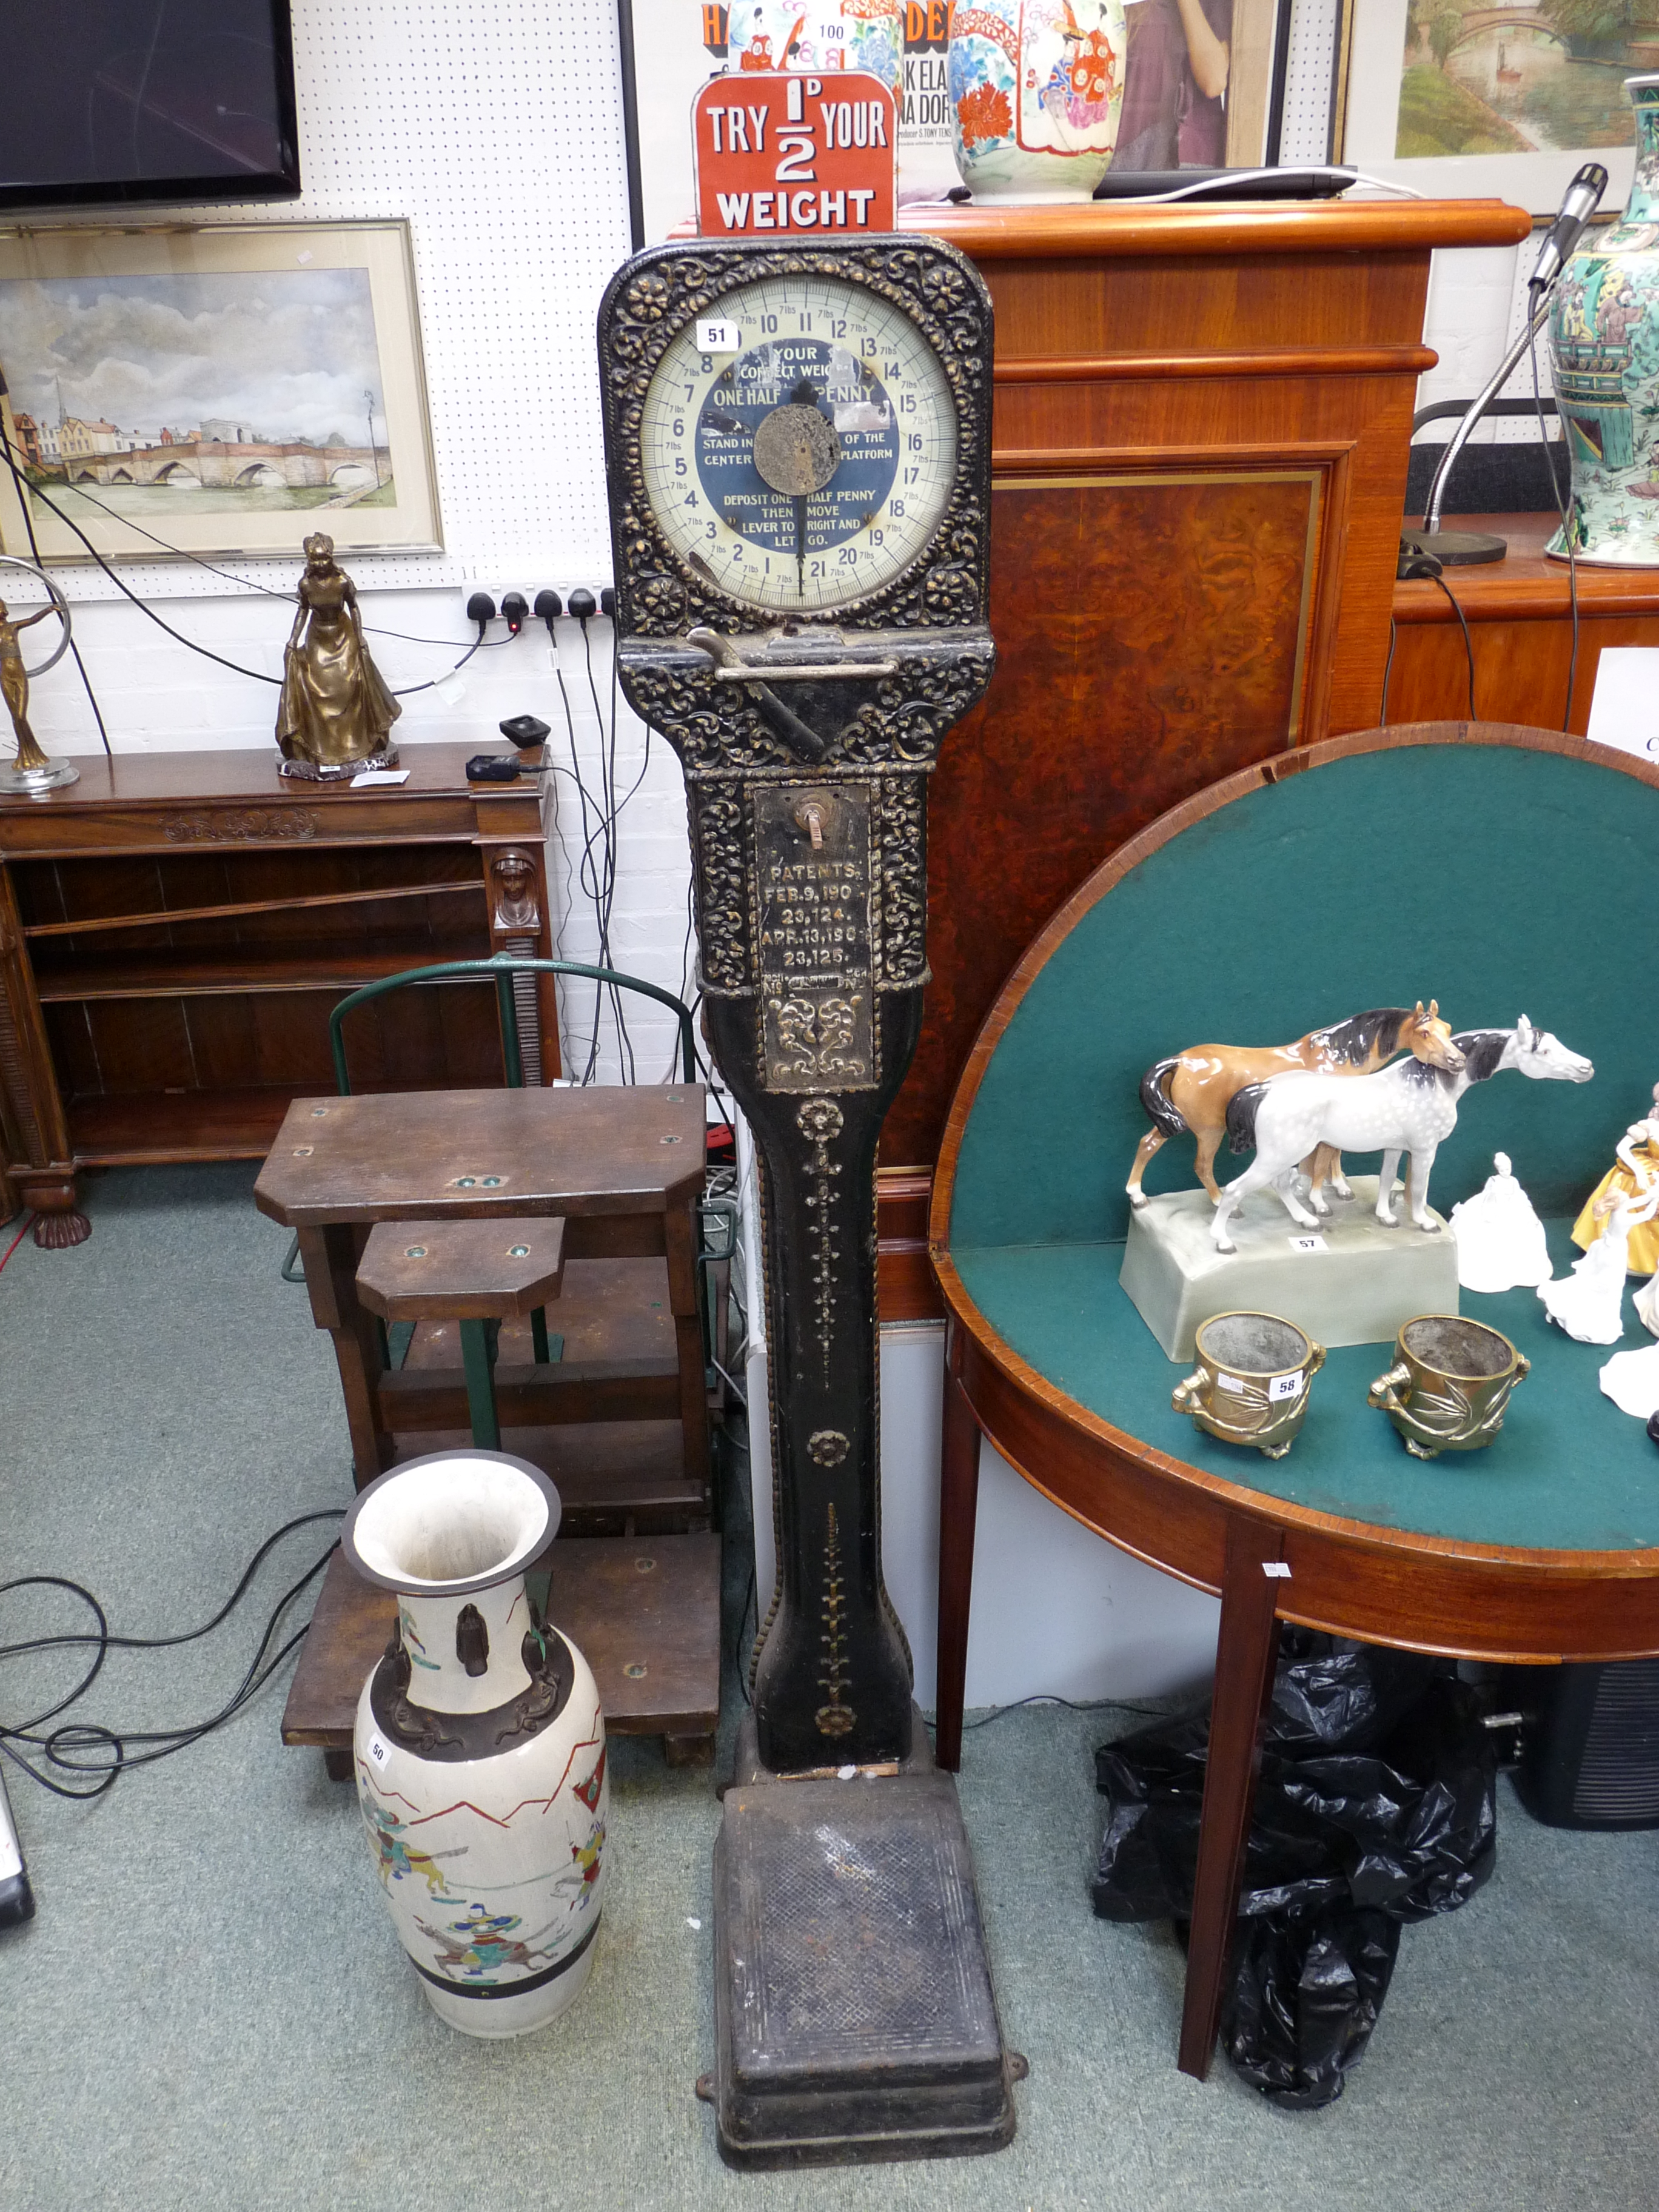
column 1477, row 306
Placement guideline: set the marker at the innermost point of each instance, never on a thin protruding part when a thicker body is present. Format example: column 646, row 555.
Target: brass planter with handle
column 1250, row 1386
column 1450, row 1385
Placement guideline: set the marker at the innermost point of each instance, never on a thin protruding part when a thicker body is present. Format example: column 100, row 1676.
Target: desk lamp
column 1454, row 549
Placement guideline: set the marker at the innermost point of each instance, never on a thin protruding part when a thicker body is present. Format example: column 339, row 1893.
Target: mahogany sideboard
column 1201, row 443
column 1519, row 610
column 175, row 929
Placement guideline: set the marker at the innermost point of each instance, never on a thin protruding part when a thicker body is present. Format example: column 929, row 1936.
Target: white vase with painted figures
column 479, row 1748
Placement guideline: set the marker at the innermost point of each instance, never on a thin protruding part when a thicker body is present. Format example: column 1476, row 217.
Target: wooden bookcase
column 176, row 927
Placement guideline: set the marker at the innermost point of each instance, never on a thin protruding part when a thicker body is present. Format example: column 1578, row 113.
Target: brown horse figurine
column 1190, row 1093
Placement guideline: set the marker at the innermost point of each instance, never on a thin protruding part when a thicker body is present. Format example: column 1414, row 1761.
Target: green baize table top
column 1495, row 879
column 1568, row 1471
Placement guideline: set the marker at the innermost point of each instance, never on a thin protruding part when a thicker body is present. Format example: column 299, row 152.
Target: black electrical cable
column 1051, row 1698
column 587, row 874
column 1566, row 528
column 1468, row 647
column 608, row 787
column 737, row 1641
column 740, row 1444
column 1387, row 671
column 61, row 1745
column 25, row 488
column 701, row 1060
column 254, row 675
column 86, row 680
column 229, row 575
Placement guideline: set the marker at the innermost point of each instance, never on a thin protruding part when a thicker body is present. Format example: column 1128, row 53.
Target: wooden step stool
column 477, row 1274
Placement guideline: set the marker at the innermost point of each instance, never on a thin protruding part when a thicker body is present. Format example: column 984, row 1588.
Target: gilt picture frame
column 211, row 391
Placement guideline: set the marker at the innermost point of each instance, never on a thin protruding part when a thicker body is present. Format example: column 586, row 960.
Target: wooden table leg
column 958, row 1507
column 1245, row 1652
column 330, row 1256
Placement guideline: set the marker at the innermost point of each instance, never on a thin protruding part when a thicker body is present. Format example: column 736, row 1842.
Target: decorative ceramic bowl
column 1449, row 1384
column 1036, row 93
column 1250, row 1386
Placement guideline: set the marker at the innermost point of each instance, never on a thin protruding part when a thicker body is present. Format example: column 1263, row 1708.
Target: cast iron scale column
column 798, row 448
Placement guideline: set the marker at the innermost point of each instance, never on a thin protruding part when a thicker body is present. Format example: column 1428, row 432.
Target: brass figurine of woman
column 335, row 713
column 32, row 770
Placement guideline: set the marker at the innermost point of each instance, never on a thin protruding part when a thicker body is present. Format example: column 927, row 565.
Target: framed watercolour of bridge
column 210, row 390
column 1507, row 98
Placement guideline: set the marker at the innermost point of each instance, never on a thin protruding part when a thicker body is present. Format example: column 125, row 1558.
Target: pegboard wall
column 497, row 130
column 1309, row 64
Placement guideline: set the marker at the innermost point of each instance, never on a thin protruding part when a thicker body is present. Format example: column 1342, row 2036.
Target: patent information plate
column 813, row 933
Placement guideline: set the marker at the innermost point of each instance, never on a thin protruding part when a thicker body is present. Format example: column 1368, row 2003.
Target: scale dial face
column 809, row 461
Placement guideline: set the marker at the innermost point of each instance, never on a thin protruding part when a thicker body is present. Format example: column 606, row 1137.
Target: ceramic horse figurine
column 1190, row 1093
column 1408, row 1108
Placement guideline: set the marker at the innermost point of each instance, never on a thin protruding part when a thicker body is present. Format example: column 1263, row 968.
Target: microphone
column 1579, row 203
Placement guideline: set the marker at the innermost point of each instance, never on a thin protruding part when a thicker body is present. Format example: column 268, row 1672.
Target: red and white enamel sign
column 795, row 153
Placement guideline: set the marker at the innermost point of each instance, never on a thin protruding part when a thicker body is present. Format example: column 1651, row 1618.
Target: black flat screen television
column 118, row 101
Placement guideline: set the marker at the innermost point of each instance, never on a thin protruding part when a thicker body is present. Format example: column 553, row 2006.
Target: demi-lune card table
column 1503, row 871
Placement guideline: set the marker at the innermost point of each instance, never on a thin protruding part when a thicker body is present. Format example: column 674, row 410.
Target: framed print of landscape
column 213, row 391
column 1465, row 98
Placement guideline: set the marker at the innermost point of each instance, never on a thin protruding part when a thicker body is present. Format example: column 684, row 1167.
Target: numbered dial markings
column 807, row 463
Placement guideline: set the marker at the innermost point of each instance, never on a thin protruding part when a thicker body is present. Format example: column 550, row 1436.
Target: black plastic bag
column 1375, row 1806
column 1307, row 1989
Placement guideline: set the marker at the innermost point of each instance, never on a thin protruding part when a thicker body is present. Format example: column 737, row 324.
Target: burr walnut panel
column 1152, row 629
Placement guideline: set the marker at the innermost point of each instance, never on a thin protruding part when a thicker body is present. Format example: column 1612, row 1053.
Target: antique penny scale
column 799, row 448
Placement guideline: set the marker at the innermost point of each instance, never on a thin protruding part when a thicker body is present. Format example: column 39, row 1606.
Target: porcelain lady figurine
column 1630, row 1379
column 479, row 1747
column 334, row 715
column 1590, row 1302
column 1500, row 1240
column 1036, row 89
column 1604, row 350
column 1637, row 1163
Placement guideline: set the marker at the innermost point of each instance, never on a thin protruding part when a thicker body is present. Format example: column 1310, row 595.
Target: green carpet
column 210, row 2010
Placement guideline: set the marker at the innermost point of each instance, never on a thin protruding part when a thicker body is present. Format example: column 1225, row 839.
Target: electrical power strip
column 16, row 1898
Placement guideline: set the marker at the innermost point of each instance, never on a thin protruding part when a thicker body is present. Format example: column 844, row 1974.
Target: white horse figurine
column 1409, row 1108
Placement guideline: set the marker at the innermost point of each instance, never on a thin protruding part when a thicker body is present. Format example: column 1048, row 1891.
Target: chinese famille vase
column 479, row 1747
column 1604, row 348
column 829, row 35
column 1036, row 89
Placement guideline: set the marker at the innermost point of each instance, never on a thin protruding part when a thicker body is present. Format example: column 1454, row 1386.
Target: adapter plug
column 515, row 611
column 481, row 609
column 607, row 601
column 582, row 602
